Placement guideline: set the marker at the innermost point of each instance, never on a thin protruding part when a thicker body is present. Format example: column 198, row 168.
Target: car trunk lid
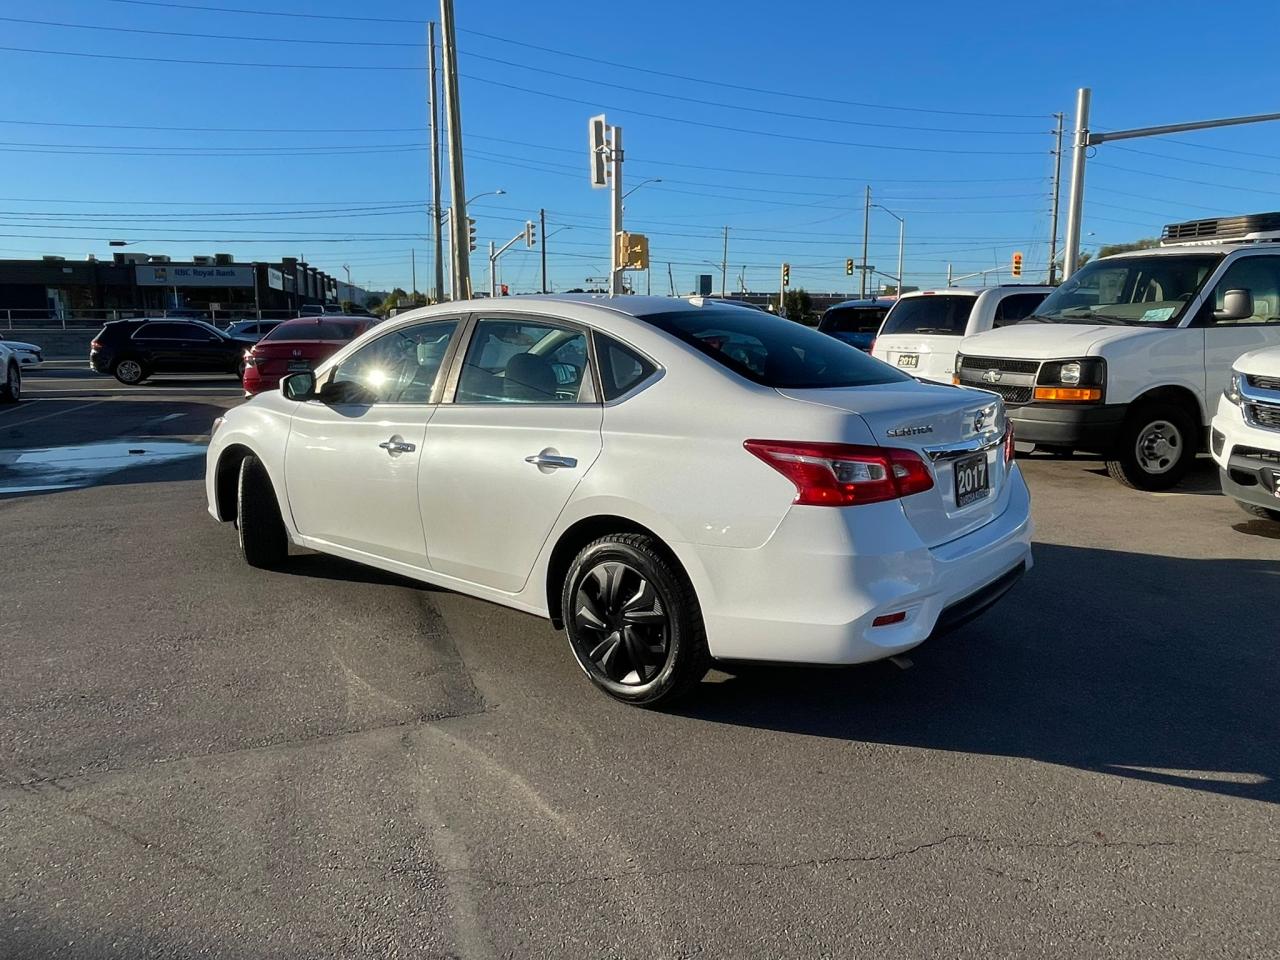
column 958, row 433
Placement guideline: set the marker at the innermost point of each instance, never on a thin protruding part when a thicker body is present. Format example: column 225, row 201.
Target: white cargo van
column 923, row 330
column 1128, row 357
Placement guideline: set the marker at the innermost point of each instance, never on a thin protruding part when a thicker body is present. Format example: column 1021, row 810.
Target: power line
column 213, row 36
column 1199, row 183
column 763, row 133
column 577, row 56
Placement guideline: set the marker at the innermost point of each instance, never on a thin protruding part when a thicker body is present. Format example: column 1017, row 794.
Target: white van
column 1127, row 358
column 923, row 330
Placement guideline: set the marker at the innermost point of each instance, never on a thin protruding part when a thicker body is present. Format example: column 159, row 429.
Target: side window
column 1017, row 307
column 1261, row 277
column 162, row 331
column 398, row 367
column 621, row 368
column 525, row 361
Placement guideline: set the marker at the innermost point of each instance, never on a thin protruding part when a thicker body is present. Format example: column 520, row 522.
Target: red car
column 297, row 345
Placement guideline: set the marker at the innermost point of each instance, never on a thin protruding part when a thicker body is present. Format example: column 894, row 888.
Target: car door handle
column 396, row 446
column 551, row 460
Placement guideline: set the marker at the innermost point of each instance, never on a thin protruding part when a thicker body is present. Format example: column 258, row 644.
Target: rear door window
column 852, row 319
column 942, row 314
column 165, row 331
column 1017, row 306
column 621, row 368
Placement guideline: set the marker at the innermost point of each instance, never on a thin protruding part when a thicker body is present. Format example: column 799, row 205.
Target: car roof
column 865, row 302
column 979, row 291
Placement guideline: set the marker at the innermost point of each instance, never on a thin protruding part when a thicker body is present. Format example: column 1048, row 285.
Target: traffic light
column 848, row 267
column 1017, row 265
column 471, row 234
column 786, row 274
column 530, row 233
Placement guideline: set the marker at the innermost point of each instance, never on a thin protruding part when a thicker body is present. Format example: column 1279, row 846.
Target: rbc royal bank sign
column 175, row 275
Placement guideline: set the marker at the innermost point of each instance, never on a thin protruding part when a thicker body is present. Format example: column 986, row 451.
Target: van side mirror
column 299, row 386
column 1236, row 305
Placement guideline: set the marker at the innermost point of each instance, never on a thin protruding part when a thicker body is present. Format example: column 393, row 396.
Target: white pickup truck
column 922, row 331
column 1245, row 435
column 1128, row 357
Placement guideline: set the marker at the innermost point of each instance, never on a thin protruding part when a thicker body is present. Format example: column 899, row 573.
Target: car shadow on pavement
column 327, row 567
column 1178, row 684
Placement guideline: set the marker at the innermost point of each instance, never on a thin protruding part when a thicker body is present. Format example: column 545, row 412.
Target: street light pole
column 615, row 218
column 724, row 264
column 866, row 227
column 902, row 231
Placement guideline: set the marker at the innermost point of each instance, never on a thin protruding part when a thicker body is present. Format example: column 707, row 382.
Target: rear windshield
column 942, row 314
column 773, row 351
column 314, row 330
column 853, row 319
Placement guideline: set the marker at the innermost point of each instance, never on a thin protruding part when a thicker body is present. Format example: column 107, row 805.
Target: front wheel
column 11, row 388
column 130, row 372
column 633, row 621
column 264, row 541
column 1156, row 448
column 1262, row 513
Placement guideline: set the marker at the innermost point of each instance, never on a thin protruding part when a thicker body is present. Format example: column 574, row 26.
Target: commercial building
column 56, row 288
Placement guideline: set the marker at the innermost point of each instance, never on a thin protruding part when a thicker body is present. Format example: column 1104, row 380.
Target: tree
column 799, row 306
column 347, row 306
column 372, row 302
column 1146, row 243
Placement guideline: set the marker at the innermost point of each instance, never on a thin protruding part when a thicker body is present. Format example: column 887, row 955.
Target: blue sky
column 944, row 109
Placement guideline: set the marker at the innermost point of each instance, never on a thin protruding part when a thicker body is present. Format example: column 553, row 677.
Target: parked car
column 923, row 331
column 28, row 354
column 296, row 345
column 10, row 375
column 856, row 322
column 133, row 350
column 1129, row 355
column 251, row 329
column 609, row 465
column 319, row 309
column 1245, row 435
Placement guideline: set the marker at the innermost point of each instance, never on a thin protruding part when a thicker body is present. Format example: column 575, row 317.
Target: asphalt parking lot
column 202, row 760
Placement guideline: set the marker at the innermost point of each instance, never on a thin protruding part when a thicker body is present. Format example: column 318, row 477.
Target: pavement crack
column 112, row 827
column 885, row 857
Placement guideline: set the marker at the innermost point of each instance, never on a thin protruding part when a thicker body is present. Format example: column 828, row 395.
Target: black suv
column 132, row 350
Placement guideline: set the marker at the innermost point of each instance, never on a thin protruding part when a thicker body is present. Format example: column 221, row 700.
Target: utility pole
column 542, row 233
column 493, row 280
column 866, row 226
column 615, row 169
column 1057, row 187
column 1084, row 140
column 724, row 264
column 413, row 272
column 437, row 293
column 457, row 182
column 671, row 280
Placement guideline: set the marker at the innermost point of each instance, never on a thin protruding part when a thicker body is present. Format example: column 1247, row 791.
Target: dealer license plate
column 908, row 359
column 973, row 480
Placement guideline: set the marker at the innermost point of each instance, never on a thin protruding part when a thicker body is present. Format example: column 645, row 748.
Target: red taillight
column 1008, row 442
column 841, row 474
column 95, row 344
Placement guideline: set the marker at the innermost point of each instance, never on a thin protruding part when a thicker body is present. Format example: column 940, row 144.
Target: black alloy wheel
column 633, row 620
column 621, row 622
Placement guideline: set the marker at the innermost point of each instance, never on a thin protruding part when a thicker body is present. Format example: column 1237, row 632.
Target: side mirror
column 299, row 386
column 1236, row 305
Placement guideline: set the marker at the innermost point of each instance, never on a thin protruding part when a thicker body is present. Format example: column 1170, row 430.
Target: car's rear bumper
column 1090, row 428
column 812, row 593
column 255, row 382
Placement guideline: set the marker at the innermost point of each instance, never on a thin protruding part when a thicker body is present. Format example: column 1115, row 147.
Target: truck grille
column 1264, row 383
column 1013, row 380
column 1265, row 415
column 1257, row 453
column 1004, row 365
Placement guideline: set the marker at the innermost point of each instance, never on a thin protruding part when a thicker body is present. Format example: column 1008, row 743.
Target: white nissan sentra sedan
column 669, row 481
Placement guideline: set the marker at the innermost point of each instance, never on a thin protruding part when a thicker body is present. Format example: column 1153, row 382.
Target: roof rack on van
column 1247, row 228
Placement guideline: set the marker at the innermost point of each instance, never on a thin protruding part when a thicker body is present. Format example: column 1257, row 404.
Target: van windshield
column 1150, row 291
column 947, row 314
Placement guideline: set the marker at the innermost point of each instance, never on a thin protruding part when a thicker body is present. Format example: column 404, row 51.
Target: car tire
column 11, row 388
column 264, row 542
column 633, row 621
column 129, row 371
column 1261, row 512
column 1156, row 448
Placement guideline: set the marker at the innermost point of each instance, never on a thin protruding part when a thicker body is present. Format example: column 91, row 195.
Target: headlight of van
column 1232, row 390
column 1072, row 381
